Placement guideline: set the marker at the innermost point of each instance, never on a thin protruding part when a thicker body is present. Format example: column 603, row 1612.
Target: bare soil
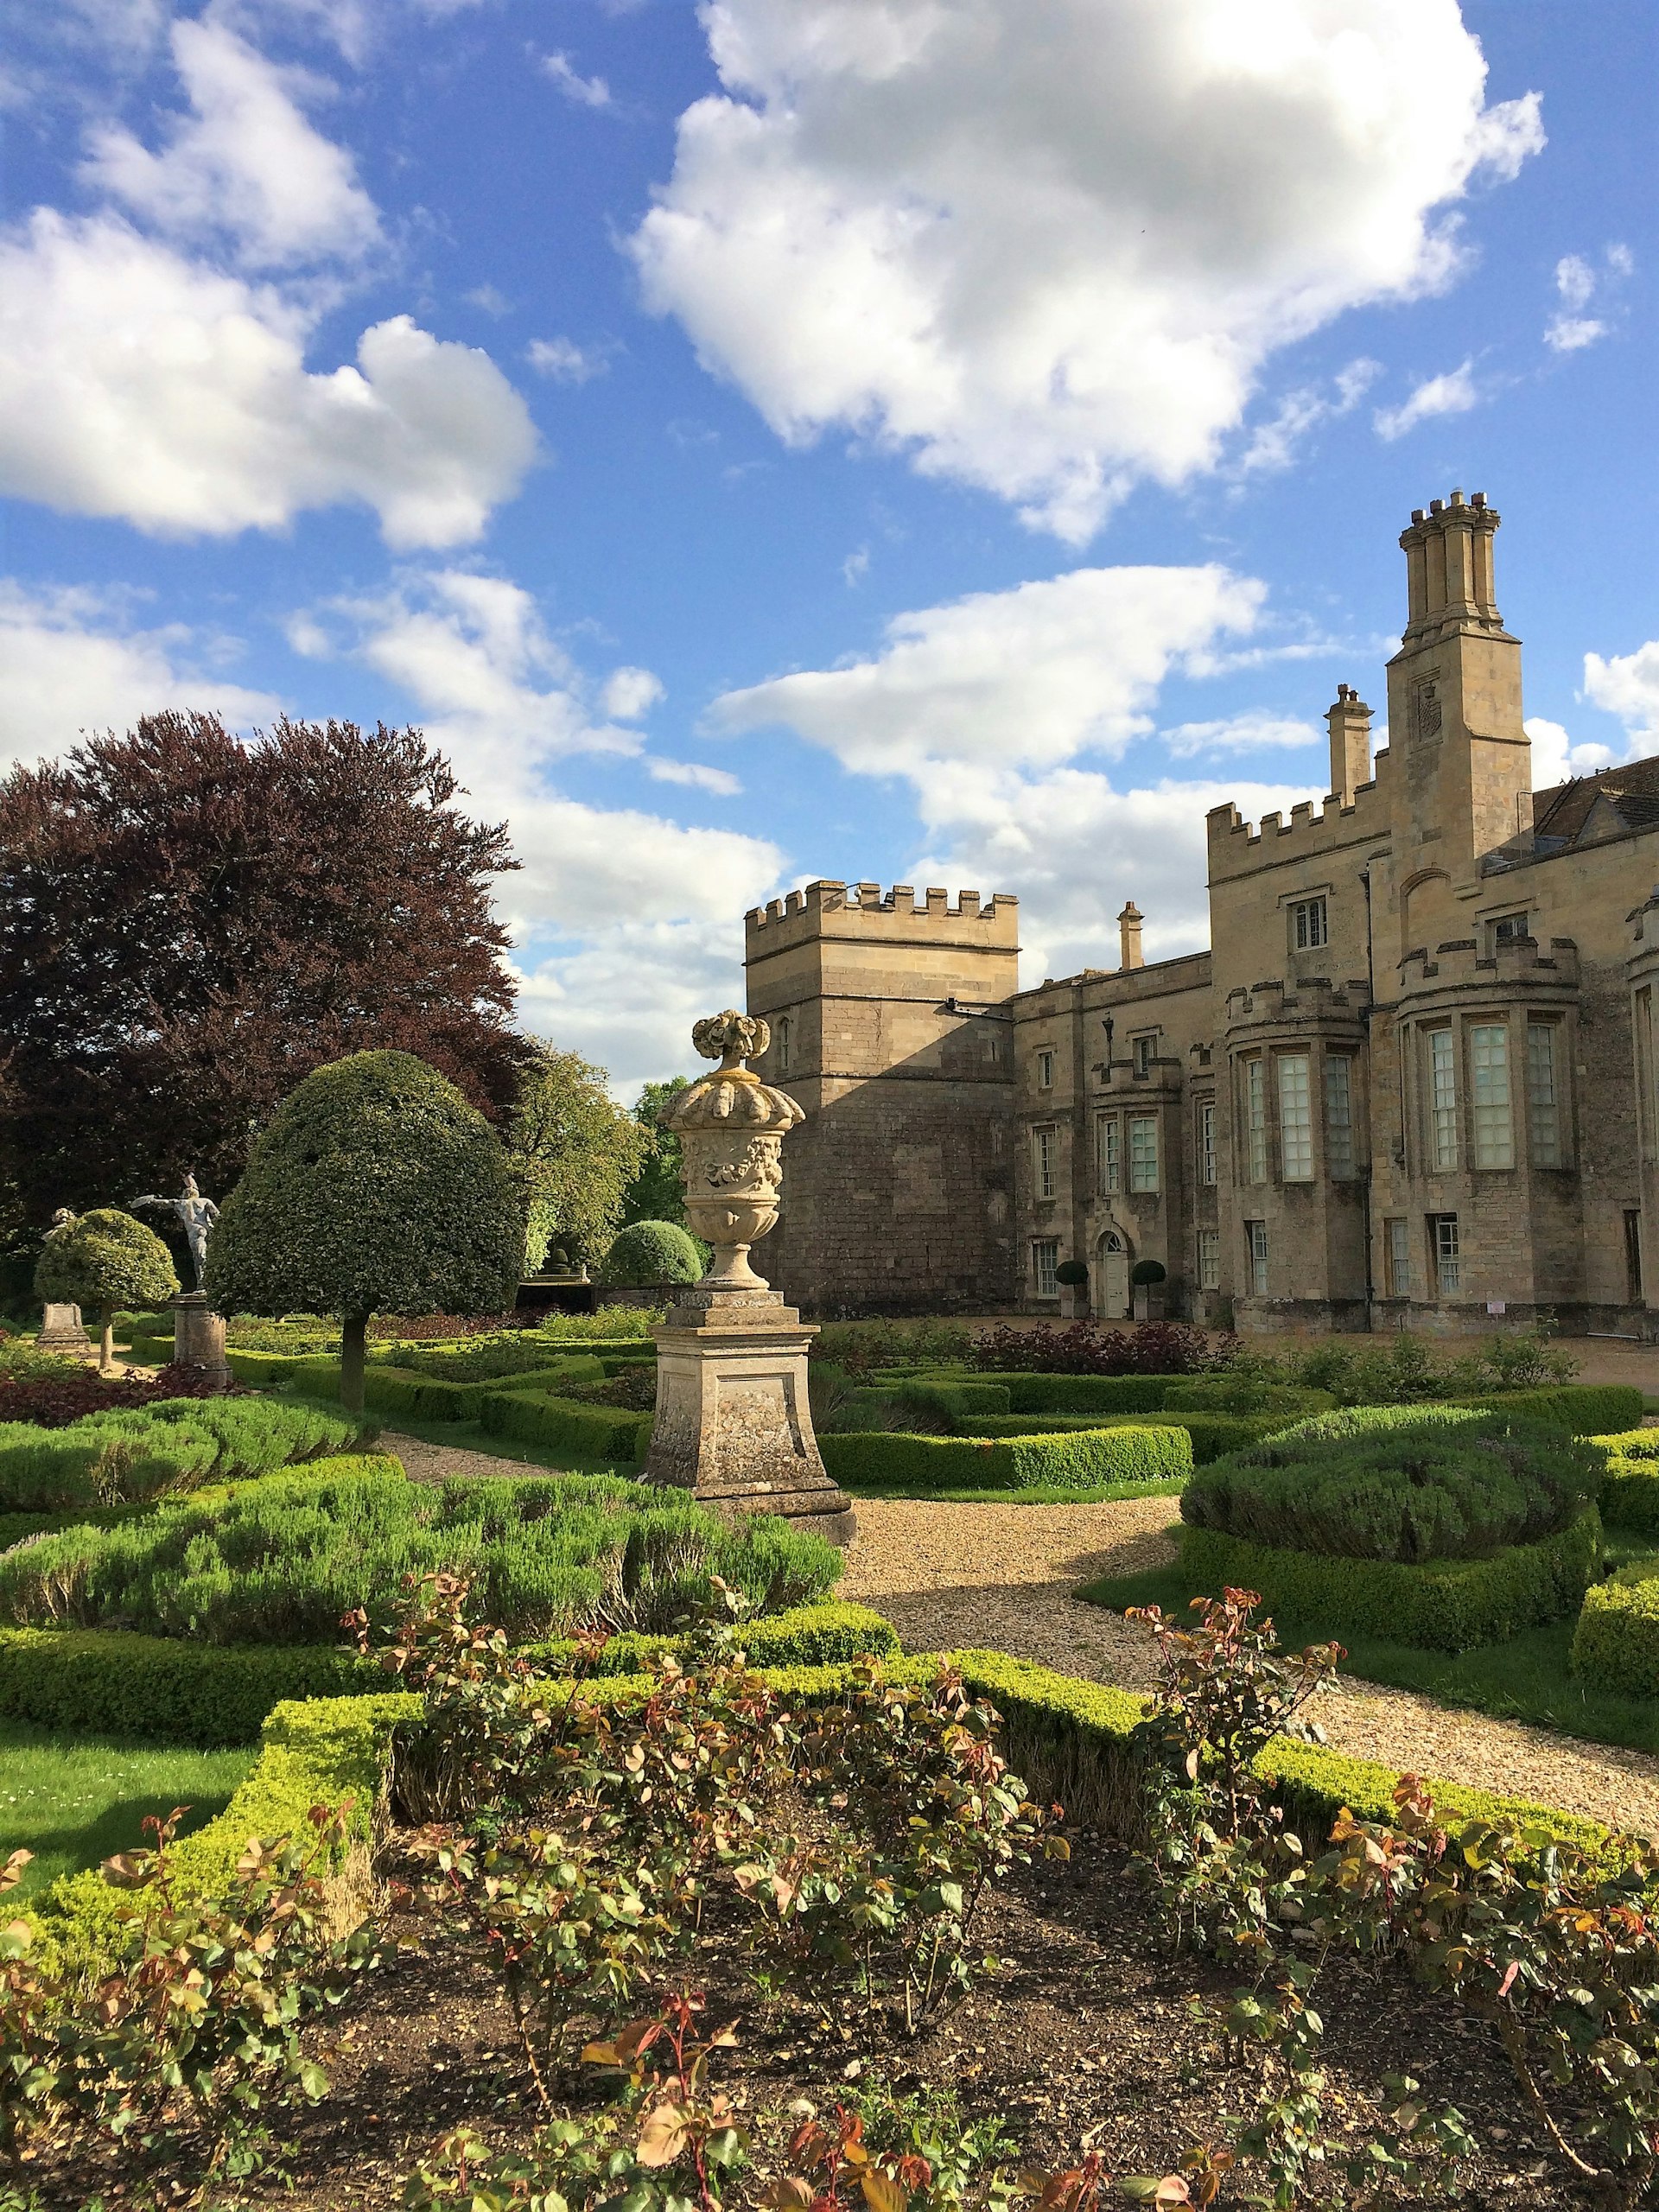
column 1086, row 2038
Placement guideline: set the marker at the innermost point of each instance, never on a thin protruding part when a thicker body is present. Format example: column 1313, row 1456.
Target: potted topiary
column 1147, row 1280
column 1072, row 1275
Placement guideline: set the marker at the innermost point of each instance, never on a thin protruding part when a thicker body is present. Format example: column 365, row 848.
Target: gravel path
column 1001, row 1577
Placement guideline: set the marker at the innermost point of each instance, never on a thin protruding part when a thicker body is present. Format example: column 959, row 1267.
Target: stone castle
column 1412, row 1084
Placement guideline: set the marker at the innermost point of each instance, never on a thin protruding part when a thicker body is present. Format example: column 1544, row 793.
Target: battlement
column 1315, row 999
column 863, row 911
column 1459, row 963
column 1238, row 848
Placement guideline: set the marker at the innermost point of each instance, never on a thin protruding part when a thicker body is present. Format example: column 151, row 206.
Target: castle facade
column 1412, row 1084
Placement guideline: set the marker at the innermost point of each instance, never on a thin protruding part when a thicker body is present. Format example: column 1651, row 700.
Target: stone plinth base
column 733, row 1422
column 64, row 1332
column 199, row 1337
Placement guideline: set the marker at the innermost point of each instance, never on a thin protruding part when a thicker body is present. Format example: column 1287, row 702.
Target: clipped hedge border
column 1213, row 1435
column 1629, row 1491
column 1616, row 1644
column 406, row 1391
column 1584, row 1409
column 173, row 1690
column 566, row 1425
column 1443, row 1605
column 319, row 1753
column 1082, row 1458
column 952, row 1398
column 1073, row 1739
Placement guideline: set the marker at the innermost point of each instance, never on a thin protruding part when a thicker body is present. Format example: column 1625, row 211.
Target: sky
column 941, row 442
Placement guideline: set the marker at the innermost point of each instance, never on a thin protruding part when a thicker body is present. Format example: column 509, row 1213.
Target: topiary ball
column 105, row 1259
column 1071, row 1273
column 653, row 1251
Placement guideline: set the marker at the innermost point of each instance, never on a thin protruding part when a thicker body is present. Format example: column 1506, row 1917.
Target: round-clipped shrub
column 1145, row 1272
column 374, row 1188
column 1405, row 1484
column 1072, row 1273
column 103, row 1260
column 653, row 1251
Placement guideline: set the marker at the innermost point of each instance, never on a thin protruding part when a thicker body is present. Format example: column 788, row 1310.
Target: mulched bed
column 1085, row 2039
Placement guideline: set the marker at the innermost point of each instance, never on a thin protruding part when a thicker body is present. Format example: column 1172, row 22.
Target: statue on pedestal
column 198, row 1331
column 733, row 1422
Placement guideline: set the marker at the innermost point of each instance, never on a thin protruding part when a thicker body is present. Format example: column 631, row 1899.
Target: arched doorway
column 1112, row 1276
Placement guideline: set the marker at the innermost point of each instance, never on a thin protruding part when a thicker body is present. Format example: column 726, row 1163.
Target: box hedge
column 566, row 1425
column 167, row 1689
column 1584, row 1408
column 950, row 1399
column 1213, row 1434
column 1086, row 1457
column 1616, row 1644
column 1629, row 1490
column 1441, row 1605
column 409, row 1394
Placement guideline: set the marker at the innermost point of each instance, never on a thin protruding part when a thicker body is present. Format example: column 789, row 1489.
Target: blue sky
column 947, row 440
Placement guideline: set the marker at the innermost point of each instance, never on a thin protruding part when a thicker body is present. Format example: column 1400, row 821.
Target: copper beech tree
column 194, row 922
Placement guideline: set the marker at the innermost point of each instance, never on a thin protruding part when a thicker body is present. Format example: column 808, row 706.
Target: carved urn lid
column 733, row 1097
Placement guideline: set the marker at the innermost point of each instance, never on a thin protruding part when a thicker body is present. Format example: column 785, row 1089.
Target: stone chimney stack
column 1349, row 721
column 1128, row 930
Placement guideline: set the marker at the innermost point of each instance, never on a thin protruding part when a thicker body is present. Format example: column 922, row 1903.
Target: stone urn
column 734, row 1414
column 731, row 1127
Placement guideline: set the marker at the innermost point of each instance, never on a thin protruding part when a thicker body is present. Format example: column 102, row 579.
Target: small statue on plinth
column 198, row 1331
column 733, row 1421
column 198, row 1214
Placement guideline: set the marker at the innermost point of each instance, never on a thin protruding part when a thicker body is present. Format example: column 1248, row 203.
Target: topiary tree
column 654, row 1251
column 1071, row 1273
column 375, row 1188
column 1146, row 1272
column 101, row 1260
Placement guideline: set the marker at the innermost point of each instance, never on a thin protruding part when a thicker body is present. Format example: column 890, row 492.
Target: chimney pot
column 1129, row 932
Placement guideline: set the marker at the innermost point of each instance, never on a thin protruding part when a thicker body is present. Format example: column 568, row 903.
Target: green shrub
column 1582, row 1408
column 1616, row 1644
column 1398, row 1482
column 1241, row 1394
column 1441, row 1605
column 280, row 1561
column 1084, row 1458
column 921, row 1407
column 123, row 1456
column 1087, row 1393
column 608, row 1323
column 653, row 1252
column 488, row 1359
column 806, row 1636
column 401, row 1393
column 565, row 1425
column 1213, row 1434
column 1630, row 1489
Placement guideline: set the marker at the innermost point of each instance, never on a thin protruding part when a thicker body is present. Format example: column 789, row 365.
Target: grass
column 74, row 1801
column 1526, row 1679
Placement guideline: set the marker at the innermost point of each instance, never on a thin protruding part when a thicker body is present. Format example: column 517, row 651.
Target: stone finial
column 731, row 1038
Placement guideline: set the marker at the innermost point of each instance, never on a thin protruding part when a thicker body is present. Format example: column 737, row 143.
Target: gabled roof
column 1585, row 808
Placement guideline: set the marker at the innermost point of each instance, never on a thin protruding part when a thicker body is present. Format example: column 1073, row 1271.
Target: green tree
column 657, row 1193
column 654, row 1251
column 575, row 1152
column 103, row 1260
column 374, row 1188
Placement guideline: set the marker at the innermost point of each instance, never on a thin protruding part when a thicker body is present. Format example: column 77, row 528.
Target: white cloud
column 488, row 299
column 1555, row 756
column 585, row 91
column 628, row 998
column 246, row 165
column 1033, row 675
column 1277, row 442
column 631, row 692
column 1577, row 282
column 1450, row 393
column 508, row 705
column 137, row 383
column 76, row 662
column 1073, row 845
column 1241, row 733
column 563, row 358
column 1046, row 245
column 1628, row 686
column 856, row 567
column 698, row 776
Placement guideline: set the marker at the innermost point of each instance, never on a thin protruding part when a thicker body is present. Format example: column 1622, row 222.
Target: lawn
column 1526, row 1679
column 74, row 1803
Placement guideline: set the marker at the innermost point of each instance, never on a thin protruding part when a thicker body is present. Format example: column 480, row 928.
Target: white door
column 1112, row 1277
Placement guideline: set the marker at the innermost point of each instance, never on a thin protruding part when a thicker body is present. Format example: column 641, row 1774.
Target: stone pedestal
column 733, row 1422
column 199, row 1337
column 63, row 1330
